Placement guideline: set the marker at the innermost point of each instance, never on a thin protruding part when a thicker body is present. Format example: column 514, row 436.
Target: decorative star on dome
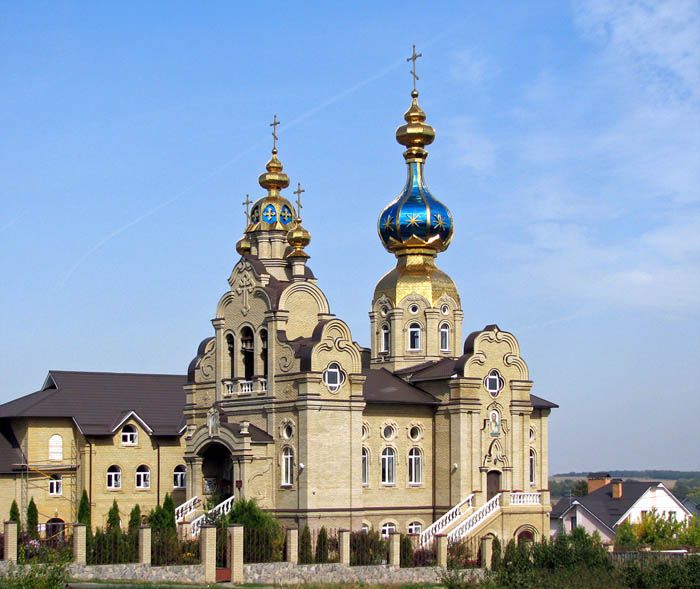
column 387, row 222
column 439, row 221
column 414, row 219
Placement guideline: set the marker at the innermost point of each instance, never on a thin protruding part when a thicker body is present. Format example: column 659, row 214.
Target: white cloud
column 471, row 67
column 472, row 148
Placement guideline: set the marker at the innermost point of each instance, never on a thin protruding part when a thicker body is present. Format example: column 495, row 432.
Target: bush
column 14, row 515
column 37, row 576
column 84, row 516
column 368, row 548
column 32, row 519
column 263, row 539
column 305, row 556
column 322, row 546
column 406, row 551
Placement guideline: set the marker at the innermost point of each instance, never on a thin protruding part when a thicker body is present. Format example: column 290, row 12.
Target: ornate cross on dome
column 298, row 192
column 274, row 125
column 414, row 57
column 247, row 202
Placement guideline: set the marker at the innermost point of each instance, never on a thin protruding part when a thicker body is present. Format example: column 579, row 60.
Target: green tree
column 113, row 518
column 32, row 519
column 14, row 515
column 322, row 546
column 84, row 516
column 134, row 520
column 305, row 555
column 625, row 538
column 168, row 515
column 579, row 488
column 406, row 551
column 496, row 554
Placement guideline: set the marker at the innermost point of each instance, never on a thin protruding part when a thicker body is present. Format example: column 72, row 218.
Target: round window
column 413, row 309
column 388, row 432
column 445, row 309
column 288, row 431
column 384, row 310
column 414, row 433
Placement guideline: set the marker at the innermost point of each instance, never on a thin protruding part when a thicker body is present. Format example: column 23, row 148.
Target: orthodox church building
column 424, row 432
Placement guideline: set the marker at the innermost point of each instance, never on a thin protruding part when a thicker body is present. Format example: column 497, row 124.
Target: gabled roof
column 602, row 505
column 381, row 386
column 100, row 402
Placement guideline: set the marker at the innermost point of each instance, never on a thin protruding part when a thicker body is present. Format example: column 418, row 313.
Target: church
column 423, row 432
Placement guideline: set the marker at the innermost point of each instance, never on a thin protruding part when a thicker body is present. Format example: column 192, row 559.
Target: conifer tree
column 168, row 515
column 305, row 555
column 84, row 516
column 14, row 515
column 32, row 519
column 113, row 518
column 322, row 546
column 496, row 554
column 135, row 520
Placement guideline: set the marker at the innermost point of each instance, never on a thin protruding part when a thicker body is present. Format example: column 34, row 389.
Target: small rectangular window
column 56, row 485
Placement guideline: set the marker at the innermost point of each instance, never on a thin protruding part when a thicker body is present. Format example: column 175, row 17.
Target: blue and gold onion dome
column 415, row 221
column 273, row 212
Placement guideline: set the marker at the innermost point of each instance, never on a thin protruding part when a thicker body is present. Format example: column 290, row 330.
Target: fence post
column 441, row 550
column 79, row 544
column 145, row 545
column 10, row 552
column 344, row 546
column 292, row 555
column 207, row 551
column 395, row 549
column 235, row 553
column 486, row 552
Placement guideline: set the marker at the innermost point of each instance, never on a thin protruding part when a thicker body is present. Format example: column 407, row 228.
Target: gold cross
column 268, row 214
column 298, row 192
column 274, row 125
column 414, row 57
column 247, row 202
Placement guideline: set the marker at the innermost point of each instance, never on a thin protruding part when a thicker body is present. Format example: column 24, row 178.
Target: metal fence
column 368, row 548
column 650, row 556
column 168, row 549
column 413, row 554
column 111, row 547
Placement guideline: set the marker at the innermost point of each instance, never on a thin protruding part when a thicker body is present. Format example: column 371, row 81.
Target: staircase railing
column 525, row 498
column 221, row 509
column 182, row 511
column 489, row 508
column 441, row 523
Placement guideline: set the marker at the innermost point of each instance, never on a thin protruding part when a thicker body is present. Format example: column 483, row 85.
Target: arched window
column 114, row 477
column 388, row 528
column 287, row 467
column 231, row 346
column 415, row 466
column 263, row 351
column 143, row 477
column 414, row 336
column 365, row 466
column 385, row 339
column 532, row 466
column 55, row 447
column 179, row 476
column 56, row 485
column 130, row 435
column 415, row 528
column 247, row 346
column 444, row 338
column 364, row 528
column 388, row 466
column 333, row 377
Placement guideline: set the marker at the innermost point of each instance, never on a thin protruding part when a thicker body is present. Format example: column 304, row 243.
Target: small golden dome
column 243, row 245
column 298, row 238
column 415, row 134
column 274, row 179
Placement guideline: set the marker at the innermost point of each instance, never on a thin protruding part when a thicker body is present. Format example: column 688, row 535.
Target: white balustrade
column 263, row 385
column 489, row 508
column 229, row 387
column 221, row 509
column 245, row 387
column 440, row 524
column 181, row 511
column 525, row 498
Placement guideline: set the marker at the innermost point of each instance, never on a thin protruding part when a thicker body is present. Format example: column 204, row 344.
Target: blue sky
column 568, row 149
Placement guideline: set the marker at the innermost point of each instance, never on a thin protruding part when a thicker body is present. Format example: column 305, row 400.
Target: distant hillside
column 646, row 474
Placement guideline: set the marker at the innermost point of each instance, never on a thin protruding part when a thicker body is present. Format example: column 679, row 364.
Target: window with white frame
column 179, row 476
column 414, row 336
column 385, row 338
column 143, row 477
column 415, row 466
column 287, row 467
column 130, row 435
column 494, row 382
column 56, row 447
column 444, row 337
column 56, row 485
column 415, row 528
column 365, row 466
column 532, row 466
column 114, row 477
column 388, row 528
column 388, row 466
column 333, row 377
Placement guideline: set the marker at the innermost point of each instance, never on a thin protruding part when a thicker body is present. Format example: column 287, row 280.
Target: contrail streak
column 294, row 122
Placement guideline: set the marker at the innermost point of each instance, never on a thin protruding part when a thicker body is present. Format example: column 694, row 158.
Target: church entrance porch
column 493, row 484
column 218, row 472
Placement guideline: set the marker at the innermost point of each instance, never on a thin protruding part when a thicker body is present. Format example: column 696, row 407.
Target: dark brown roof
column 381, row 386
column 256, row 434
column 99, row 401
column 540, row 403
column 10, row 454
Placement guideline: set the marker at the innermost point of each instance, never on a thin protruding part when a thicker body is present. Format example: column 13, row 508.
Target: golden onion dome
column 298, row 238
column 243, row 245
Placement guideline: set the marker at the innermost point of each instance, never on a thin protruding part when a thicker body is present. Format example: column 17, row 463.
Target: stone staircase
column 221, row 509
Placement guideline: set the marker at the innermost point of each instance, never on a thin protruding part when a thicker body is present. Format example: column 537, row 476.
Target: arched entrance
column 55, row 529
column 493, row 483
column 217, row 472
column 525, row 534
